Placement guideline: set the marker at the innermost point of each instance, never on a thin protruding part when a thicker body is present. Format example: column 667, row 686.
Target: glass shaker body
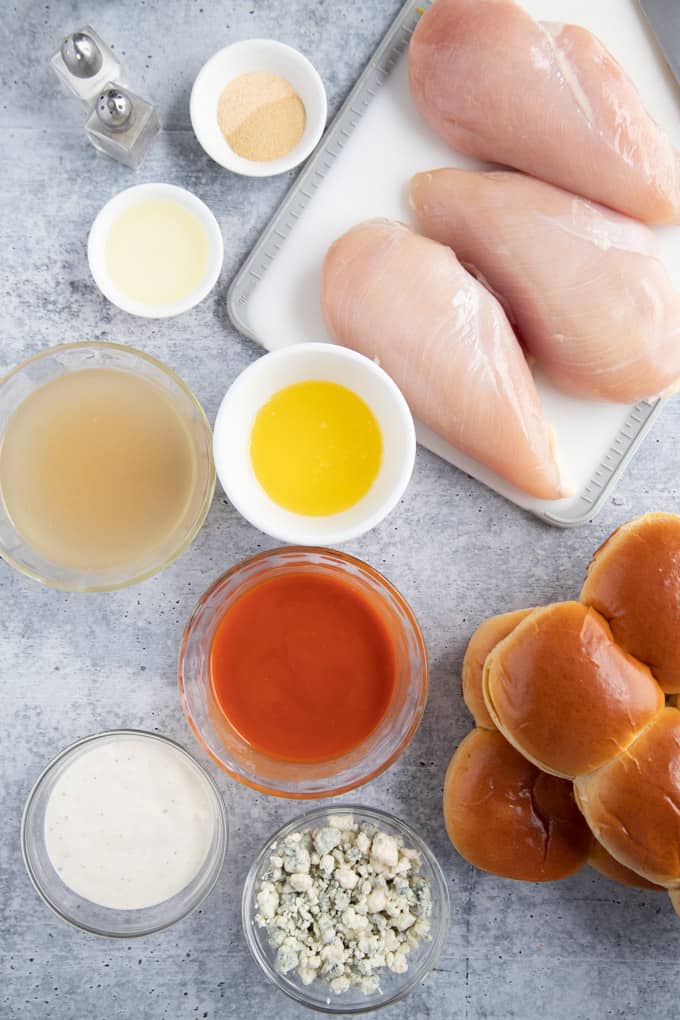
column 128, row 143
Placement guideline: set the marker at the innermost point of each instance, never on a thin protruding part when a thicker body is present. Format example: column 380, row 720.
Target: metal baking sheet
column 361, row 168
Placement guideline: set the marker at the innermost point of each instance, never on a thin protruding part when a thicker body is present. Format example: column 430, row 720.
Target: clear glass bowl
column 27, row 377
column 422, row 959
column 90, row 916
column 293, row 779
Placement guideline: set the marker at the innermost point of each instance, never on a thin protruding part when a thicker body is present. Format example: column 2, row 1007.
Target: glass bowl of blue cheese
column 346, row 909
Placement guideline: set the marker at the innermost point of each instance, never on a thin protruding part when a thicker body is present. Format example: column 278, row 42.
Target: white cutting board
column 275, row 298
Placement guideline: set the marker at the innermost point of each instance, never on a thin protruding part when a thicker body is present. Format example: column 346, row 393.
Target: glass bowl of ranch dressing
column 124, row 833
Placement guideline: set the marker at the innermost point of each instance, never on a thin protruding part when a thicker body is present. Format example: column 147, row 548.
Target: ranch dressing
column 129, row 822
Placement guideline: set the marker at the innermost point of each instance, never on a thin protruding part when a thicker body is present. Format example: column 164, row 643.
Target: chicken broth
column 97, row 469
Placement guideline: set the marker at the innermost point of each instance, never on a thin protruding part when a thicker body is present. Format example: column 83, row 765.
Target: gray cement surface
column 583, row 949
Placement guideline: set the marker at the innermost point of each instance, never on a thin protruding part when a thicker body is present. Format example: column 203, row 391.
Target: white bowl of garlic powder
column 258, row 107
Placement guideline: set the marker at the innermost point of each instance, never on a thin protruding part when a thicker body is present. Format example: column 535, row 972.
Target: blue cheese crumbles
column 343, row 902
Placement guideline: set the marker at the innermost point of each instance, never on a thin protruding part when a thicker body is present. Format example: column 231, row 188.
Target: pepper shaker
column 85, row 64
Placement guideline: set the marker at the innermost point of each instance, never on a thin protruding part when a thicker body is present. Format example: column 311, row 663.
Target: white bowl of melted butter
column 155, row 250
column 124, row 833
column 314, row 444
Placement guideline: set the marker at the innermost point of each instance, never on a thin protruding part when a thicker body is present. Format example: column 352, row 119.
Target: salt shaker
column 122, row 125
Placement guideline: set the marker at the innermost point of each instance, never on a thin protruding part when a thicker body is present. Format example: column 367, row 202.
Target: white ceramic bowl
column 242, row 58
column 256, row 385
column 99, row 232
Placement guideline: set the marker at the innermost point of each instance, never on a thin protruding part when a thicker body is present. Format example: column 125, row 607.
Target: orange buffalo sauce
column 302, row 666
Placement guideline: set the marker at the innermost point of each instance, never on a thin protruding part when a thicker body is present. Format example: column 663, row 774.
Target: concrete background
column 72, row 664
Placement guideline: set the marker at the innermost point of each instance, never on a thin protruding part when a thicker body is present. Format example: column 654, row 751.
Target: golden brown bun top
column 562, row 691
column 484, row 639
column 505, row 816
column 602, row 861
column 632, row 804
column 634, row 581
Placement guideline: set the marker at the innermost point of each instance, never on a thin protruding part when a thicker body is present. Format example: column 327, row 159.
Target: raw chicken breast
column 407, row 302
column 581, row 283
column 545, row 98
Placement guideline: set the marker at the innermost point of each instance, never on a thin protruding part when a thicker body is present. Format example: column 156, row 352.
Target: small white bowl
column 256, row 385
column 99, row 232
column 242, row 58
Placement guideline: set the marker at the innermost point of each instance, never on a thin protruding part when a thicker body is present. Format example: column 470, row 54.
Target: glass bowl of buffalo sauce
column 303, row 672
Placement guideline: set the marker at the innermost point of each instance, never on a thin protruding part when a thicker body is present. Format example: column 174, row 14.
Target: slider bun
column 484, row 639
column 505, row 816
column 564, row 694
column 602, row 861
column 634, row 581
column 632, row 804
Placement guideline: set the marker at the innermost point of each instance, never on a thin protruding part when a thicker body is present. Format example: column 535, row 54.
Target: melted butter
column 316, row 448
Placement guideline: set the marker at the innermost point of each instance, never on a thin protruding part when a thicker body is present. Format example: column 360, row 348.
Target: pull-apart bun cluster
column 576, row 754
